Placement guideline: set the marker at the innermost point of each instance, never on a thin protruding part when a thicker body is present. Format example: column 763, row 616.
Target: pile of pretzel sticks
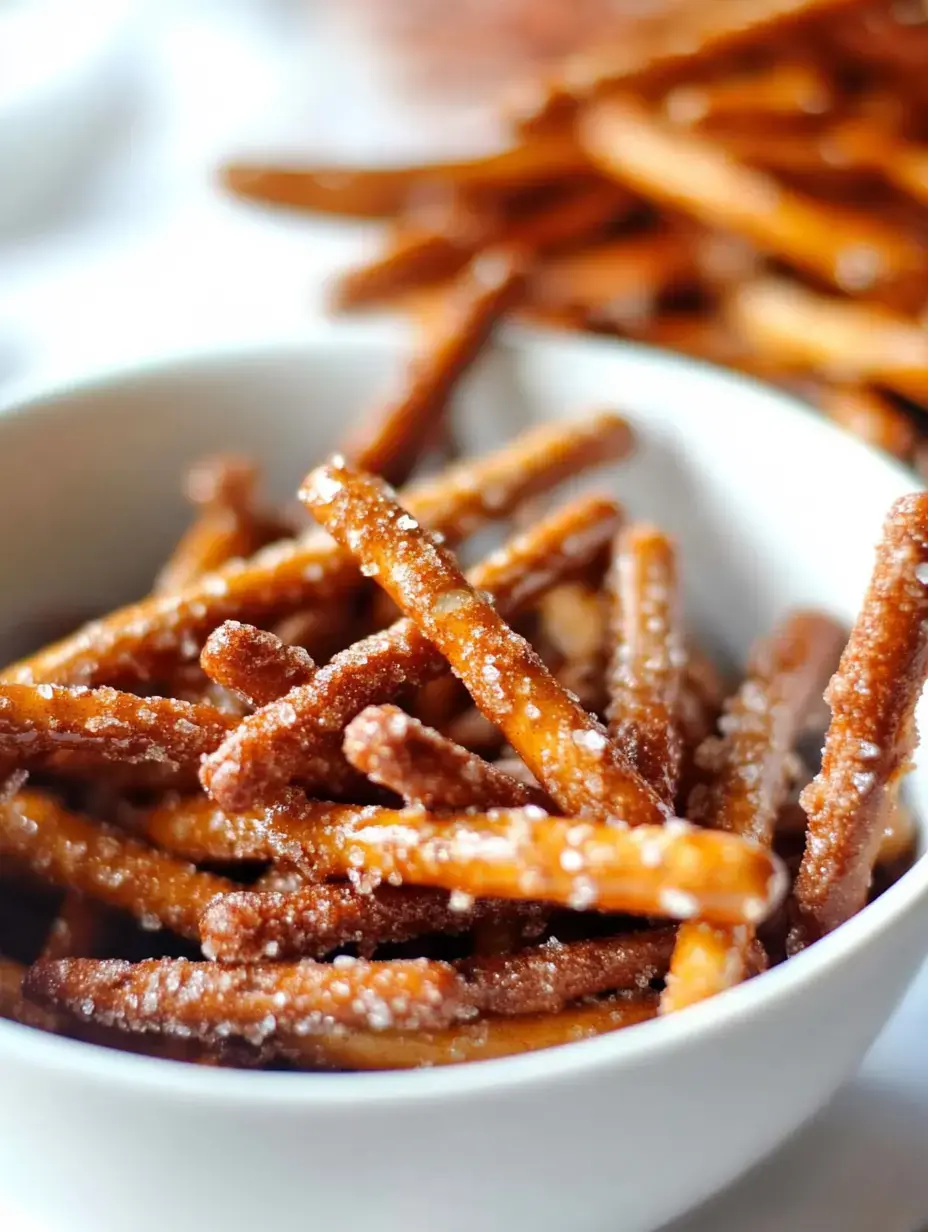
column 745, row 181
column 337, row 804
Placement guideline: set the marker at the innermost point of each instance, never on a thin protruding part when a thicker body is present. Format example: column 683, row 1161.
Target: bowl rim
column 156, row 1078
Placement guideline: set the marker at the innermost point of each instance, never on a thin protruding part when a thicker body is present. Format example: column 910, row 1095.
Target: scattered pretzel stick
column 374, row 193
column 850, row 341
column 389, row 439
column 646, row 673
column 287, row 576
column 104, row 724
column 691, row 173
column 271, row 746
column 674, row 870
column 68, row 850
column 313, row 920
column 483, row 1040
column 872, row 733
column 749, row 769
column 212, row 1002
column 564, row 746
column 254, row 664
column 396, row 751
column 547, row 977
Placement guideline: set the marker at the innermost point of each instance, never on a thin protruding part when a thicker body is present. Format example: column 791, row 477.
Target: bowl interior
column 772, row 507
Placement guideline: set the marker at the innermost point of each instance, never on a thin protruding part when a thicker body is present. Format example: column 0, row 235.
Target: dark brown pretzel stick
column 564, row 747
column 271, row 746
column 312, row 921
column 397, row 751
column 872, row 731
column 646, row 672
column 749, row 777
column 212, row 1002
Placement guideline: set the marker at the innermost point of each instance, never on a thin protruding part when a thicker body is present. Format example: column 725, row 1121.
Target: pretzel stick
column 287, row 576
column 377, row 193
column 271, row 746
column 389, row 440
column 872, row 731
column 65, row 849
column 228, row 526
column 313, row 920
column 860, row 144
column 749, row 770
column 854, row 252
column 398, row 752
column 547, row 977
column 781, row 90
column 564, row 747
column 646, row 674
column 106, row 725
column 253, row 663
column 858, row 342
column 194, row 828
column 212, row 1002
column 675, row 870
column 15, row 1008
column 425, row 256
column 483, row 1040
column 693, row 35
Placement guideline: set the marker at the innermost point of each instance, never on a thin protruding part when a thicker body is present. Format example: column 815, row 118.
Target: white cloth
column 141, row 251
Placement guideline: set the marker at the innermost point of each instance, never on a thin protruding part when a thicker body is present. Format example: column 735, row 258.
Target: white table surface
column 140, row 252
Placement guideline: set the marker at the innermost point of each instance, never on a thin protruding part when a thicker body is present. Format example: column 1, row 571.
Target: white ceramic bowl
column 772, row 507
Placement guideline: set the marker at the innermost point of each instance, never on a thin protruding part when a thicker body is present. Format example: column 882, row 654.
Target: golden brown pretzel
column 253, row 663
column 66, row 849
column 271, row 746
column 103, row 724
column 212, row 1001
column 852, row 251
column 646, row 673
column 398, row 752
column 872, row 732
column 313, row 920
column 748, row 776
column 287, row 576
column 783, row 89
column 565, row 747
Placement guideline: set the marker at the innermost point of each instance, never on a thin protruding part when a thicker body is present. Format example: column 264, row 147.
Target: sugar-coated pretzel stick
column 66, row 849
column 483, row 1040
column 645, row 676
column 228, row 527
column 749, row 769
column 271, row 746
column 212, row 1001
column 389, row 439
column 376, row 192
column 897, row 841
column 196, row 829
column 673, row 870
column 871, row 735
column 13, row 1005
column 693, row 35
column 780, row 90
column 545, row 978
column 565, row 747
column 104, row 724
column 287, row 576
column 396, row 751
column 854, row 252
column 848, row 341
column 253, row 663
column 426, row 256
column 313, row 920
column 870, row 415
